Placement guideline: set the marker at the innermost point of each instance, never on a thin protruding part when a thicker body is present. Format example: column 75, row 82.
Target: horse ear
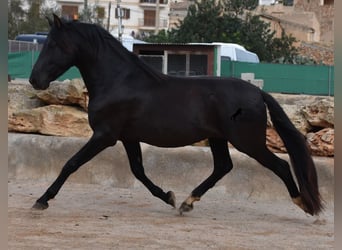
column 57, row 21
column 49, row 20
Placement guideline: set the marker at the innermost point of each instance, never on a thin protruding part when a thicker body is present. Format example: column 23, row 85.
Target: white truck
column 235, row 52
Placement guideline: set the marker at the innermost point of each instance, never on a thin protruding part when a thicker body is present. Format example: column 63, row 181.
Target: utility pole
column 119, row 14
column 157, row 16
column 86, row 11
column 108, row 20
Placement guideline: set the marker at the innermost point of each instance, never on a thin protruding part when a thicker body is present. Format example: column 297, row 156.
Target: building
column 178, row 11
column 139, row 17
column 309, row 21
column 192, row 59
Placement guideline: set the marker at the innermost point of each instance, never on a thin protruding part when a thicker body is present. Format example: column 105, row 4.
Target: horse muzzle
column 38, row 83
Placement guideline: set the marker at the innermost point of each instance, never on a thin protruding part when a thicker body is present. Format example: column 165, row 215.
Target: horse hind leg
column 281, row 168
column 135, row 160
column 222, row 165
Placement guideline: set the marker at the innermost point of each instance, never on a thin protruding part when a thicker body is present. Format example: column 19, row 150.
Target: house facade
column 138, row 17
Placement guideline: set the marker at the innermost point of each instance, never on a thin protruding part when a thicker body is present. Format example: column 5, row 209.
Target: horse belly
column 173, row 134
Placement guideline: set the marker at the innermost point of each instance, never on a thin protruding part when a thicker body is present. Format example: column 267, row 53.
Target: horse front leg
column 222, row 165
column 96, row 144
column 135, row 160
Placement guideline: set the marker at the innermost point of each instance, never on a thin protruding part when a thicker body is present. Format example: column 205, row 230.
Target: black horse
column 131, row 102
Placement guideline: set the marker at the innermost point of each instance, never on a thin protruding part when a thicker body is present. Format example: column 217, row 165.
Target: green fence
column 20, row 65
column 278, row 78
column 286, row 78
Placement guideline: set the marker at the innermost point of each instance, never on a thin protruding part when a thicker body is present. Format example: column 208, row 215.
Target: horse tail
column 300, row 156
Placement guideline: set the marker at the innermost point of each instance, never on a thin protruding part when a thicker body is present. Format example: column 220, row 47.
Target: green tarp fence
column 286, row 78
column 20, row 65
column 278, row 78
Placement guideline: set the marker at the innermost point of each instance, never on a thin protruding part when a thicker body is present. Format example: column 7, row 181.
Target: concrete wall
column 36, row 157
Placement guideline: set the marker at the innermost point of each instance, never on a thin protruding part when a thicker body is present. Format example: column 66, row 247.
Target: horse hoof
column 185, row 208
column 40, row 206
column 171, row 198
column 299, row 202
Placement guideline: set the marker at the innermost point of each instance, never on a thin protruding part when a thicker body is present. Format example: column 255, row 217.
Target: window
column 156, row 61
column 198, row 65
column 176, row 64
column 187, row 64
column 149, row 17
column 70, row 12
column 288, row 2
column 100, row 12
column 125, row 13
column 328, row 2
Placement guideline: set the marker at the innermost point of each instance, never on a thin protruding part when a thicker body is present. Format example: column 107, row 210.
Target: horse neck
column 107, row 66
column 102, row 67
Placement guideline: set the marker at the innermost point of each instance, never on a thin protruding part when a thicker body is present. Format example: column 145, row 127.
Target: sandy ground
column 88, row 216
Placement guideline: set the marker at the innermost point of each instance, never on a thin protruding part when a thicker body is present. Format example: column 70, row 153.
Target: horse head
column 56, row 56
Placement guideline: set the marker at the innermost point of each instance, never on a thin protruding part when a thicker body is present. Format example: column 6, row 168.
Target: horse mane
column 98, row 37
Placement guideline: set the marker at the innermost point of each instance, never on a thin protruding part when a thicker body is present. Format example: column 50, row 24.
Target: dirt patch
column 85, row 216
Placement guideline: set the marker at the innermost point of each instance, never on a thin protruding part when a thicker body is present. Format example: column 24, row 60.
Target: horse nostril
column 33, row 82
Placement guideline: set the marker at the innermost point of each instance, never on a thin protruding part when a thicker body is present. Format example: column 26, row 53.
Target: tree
column 238, row 7
column 162, row 36
column 203, row 23
column 34, row 21
column 92, row 14
column 283, row 50
column 16, row 15
column 28, row 21
column 255, row 35
column 228, row 21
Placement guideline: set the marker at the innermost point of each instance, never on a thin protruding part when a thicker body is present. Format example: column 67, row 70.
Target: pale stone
column 320, row 113
column 274, row 142
column 69, row 92
column 297, row 118
column 322, row 142
column 51, row 120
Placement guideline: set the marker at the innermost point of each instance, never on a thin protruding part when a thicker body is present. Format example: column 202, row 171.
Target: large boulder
column 69, row 92
column 22, row 96
column 320, row 113
column 295, row 114
column 274, row 142
column 29, row 110
column 322, row 142
column 313, row 116
column 51, row 120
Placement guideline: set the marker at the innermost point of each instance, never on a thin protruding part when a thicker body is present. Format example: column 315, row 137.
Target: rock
column 322, row 142
column 69, row 92
column 274, row 142
column 296, row 116
column 51, row 120
column 28, row 113
column 320, row 113
column 22, row 96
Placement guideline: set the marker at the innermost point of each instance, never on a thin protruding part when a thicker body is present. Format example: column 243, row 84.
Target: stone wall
column 61, row 110
column 317, row 52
